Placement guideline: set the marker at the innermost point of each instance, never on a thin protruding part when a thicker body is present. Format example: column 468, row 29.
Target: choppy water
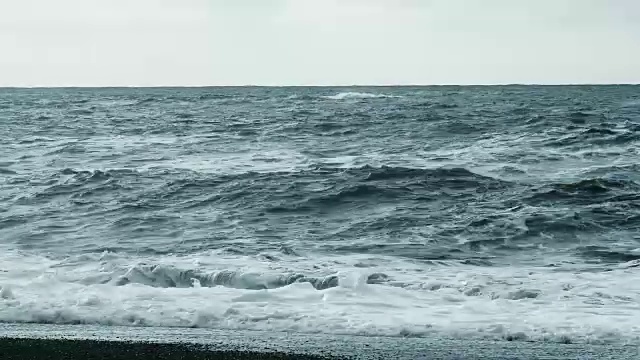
column 501, row 212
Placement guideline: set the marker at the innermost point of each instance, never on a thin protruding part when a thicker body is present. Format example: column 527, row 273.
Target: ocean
column 483, row 213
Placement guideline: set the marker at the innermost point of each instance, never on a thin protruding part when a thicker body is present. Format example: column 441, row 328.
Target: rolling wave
column 167, row 276
column 586, row 191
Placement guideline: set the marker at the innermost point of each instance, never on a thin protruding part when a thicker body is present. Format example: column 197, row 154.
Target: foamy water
column 405, row 298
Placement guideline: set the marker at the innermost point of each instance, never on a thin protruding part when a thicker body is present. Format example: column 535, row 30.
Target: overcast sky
column 317, row 42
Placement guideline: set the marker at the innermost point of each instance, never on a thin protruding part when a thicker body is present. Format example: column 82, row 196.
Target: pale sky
column 317, row 42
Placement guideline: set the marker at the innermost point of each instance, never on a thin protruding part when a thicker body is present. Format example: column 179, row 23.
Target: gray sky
column 317, row 42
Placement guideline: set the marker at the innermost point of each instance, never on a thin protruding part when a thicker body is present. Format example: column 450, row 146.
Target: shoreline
column 68, row 349
column 84, row 342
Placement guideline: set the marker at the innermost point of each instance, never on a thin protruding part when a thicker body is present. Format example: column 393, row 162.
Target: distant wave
column 358, row 95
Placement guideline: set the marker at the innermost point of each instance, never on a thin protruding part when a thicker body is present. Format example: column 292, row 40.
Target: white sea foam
column 417, row 300
column 358, row 95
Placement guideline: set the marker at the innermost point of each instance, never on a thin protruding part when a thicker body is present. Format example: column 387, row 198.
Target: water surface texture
column 484, row 212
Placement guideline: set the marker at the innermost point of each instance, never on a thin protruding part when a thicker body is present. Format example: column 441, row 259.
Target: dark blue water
column 110, row 186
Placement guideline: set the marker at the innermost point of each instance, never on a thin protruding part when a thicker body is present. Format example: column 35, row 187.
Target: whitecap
column 358, row 95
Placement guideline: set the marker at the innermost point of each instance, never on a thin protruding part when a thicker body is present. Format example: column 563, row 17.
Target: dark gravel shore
column 35, row 342
column 36, row 349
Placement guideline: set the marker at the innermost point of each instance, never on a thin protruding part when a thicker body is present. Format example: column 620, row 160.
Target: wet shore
column 79, row 342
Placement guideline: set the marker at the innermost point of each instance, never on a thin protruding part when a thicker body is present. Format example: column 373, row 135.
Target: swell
column 379, row 184
column 602, row 136
column 354, row 193
column 585, row 191
column 607, row 255
column 67, row 181
column 151, row 203
column 365, row 175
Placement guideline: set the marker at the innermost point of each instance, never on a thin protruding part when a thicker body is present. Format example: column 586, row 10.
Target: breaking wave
column 168, row 276
column 395, row 299
column 358, row 95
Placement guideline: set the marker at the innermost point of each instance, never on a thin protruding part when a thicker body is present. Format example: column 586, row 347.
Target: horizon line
column 304, row 86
